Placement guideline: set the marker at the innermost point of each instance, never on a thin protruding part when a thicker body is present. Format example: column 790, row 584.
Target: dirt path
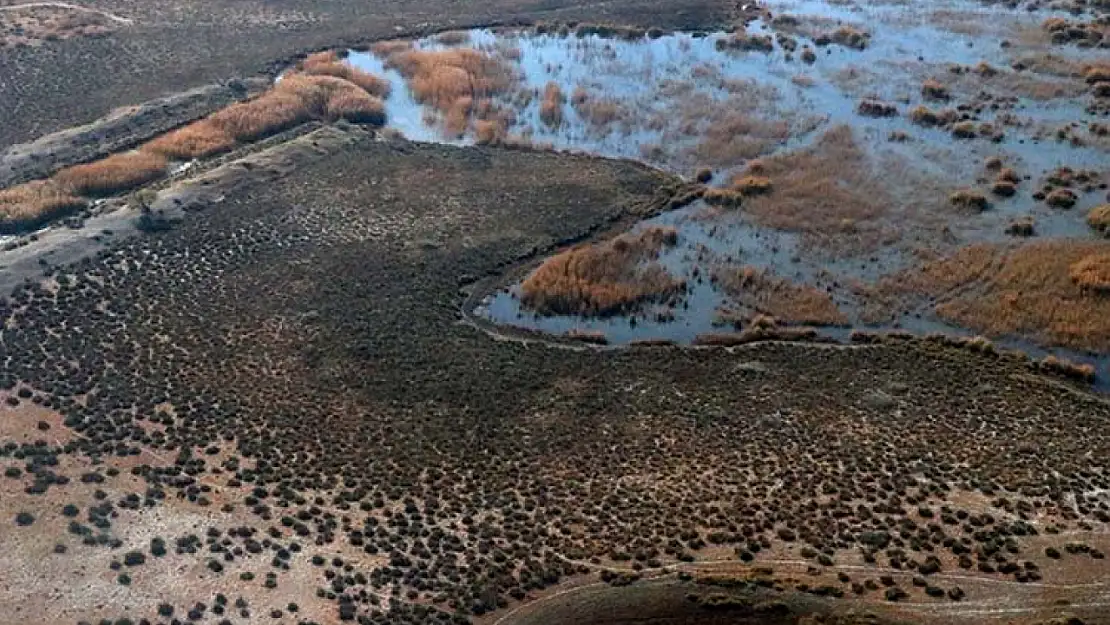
column 65, row 5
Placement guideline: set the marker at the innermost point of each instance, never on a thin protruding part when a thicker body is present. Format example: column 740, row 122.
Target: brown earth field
column 276, row 409
column 160, row 48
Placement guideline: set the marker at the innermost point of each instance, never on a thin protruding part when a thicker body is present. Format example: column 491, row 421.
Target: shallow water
column 671, row 89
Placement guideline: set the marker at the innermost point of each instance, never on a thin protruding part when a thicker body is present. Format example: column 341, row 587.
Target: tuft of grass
column 932, row 89
column 876, row 108
column 114, row 174
column 749, row 185
column 608, row 278
column 32, row 204
column 1068, row 369
column 197, row 140
column 1092, row 273
column 729, row 198
column 969, row 199
column 746, row 42
column 1098, row 218
column 1061, row 198
column 924, row 116
column 551, row 108
column 964, row 130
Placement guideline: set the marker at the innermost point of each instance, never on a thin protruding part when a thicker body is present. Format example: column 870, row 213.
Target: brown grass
column 603, row 279
column 1045, row 290
column 197, row 140
column 34, row 203
column 1098, row 218
column 1092, row 272
column 116, row 173
column 746, row 42
column 265, row 115
column 827, row 191
column 766, row 294
column 723, row 197
column 551, row 109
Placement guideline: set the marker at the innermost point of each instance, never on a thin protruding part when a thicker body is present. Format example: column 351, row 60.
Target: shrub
column 746, row 42
column 34, row 203
column 723, row 197
column 197, row 140
column 116, row 173
column 24, row 519
column 964, row 130
column 924, row 116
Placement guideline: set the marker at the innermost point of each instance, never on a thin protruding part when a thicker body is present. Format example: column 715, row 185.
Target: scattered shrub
column 1003, row 188
column 1021, row 227
column 924, row 116
column 746, row 42
column 964, row 130
column 24, row 519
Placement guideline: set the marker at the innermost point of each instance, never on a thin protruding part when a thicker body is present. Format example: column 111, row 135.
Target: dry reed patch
column 373, row 85
column 116, row 173
column 551, row 109
column 357, row 107
column 827, row 191
column 197, row 140
column 601, row 113
column 1044, row 290
column 28, row 205
column 763, row 293
column 439, row 79
column 1098, row 218
column 1092, row 273
column 605, row 278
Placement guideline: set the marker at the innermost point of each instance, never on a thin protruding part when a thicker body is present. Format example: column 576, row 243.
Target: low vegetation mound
column 608, row 278
column 1098, row 218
